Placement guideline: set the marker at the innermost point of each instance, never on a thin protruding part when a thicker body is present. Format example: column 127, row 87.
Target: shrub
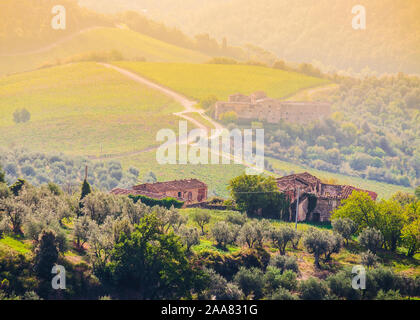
column 222, row 233
column 250, row 281
column 320, row 243
column 282, row 237
column 371, row 239
column 345, row 227
column 284, row 263
column 283, row 294
column 236, row 218
column 369, row 259
column 313, row 289
column 251, row 234
column 189, row 236
column 166, row 203
column 389, row 295
column 201, row 218
column 340, row 285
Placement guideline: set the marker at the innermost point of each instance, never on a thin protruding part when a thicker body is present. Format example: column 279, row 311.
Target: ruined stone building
column 317, row 200
column 259, row 107
column 188, row 190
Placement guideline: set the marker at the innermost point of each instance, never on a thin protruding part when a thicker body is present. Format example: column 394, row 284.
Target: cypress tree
column 85, row 191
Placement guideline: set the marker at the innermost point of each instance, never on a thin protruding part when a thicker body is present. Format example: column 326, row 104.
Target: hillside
column 302, row 32
column 82, row 109
column 199, row 81
column 130, row 44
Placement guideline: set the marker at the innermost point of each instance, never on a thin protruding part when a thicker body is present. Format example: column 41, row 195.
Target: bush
column 251, row 234
column 21, row 116
column 189, row 236
column 345, row 227
column 284, row 263
column 389, row 295
column 222, row 233
column 313, row 289
column 320, row 243
column 371, row 239
column 236, row 218
column 369, row 259
column 250, row 281
column 340, row 285
column 201, row 218
column 282, row 237
column 283, row 294
column 166, row 203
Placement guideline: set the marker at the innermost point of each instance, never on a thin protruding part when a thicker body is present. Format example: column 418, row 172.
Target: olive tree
column 345, row 227
column 281, row 237
column 222, row 233
column 189, row 236
column 371, row 239
column 201, row 218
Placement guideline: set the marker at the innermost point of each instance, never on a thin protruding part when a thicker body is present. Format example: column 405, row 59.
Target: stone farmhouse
column 259, row 107
column 317, row 200
column 188, row 190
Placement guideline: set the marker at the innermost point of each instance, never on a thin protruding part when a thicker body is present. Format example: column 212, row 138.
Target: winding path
column 189, row 108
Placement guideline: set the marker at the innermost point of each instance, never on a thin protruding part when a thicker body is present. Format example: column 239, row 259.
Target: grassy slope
column 131, row 44
column 76, row 108
column 199, row 81
column 347, row 257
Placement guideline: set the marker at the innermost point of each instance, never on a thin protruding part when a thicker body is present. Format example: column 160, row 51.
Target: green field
column 132, row 45
column 199, row 81
column 83, row 109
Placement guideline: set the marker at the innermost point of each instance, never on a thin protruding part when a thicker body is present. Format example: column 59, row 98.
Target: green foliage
column 369, row 259
column 251, row 281
column 150, row 263
column 340, row 284
column 345, row 227
column 17, row 186
column 166, row 202
column 283, row 294
column 222, row 233
column 285, row 263
column 319, row 243
column 252, row 234
column 313, row 289
column 371, row 239
column 189, row 237
column 46, row 255
column 2, row 175
column 417, row 192
column 257, row 194
column 39, row 168
column 201, row 218
column 282, row 237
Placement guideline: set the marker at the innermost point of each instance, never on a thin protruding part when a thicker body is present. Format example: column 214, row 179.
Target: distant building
column 259, row 107
column 324, row 197
column 188, row 190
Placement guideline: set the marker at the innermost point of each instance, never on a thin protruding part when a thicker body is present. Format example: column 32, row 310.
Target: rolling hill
column 83, row 109
column 302, row 31
column 132, row 45
column 199, row 81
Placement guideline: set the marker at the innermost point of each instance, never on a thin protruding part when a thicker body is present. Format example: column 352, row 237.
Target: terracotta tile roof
column 175, row 185
column 311, row 184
